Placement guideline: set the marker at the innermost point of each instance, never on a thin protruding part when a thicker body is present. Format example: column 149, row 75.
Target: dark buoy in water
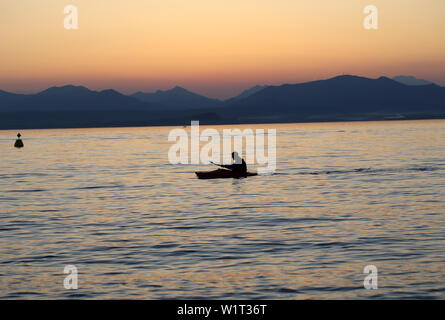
column 19, row 143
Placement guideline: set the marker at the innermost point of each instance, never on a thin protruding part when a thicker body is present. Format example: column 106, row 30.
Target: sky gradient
column 216, row 48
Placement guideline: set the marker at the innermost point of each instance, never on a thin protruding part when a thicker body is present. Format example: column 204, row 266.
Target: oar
column 216, row 164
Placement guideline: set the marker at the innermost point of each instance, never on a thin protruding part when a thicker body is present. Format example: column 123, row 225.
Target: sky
column 215, row 47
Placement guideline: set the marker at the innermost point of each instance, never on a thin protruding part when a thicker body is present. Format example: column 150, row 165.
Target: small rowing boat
column 223, row 173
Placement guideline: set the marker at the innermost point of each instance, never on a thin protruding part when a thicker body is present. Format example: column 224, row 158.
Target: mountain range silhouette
column 177, row 98
column 343, row 97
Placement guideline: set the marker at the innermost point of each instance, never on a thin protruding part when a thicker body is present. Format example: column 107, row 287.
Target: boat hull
column 223, row 174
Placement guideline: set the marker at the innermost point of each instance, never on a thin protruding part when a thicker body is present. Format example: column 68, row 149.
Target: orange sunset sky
column 215, row 47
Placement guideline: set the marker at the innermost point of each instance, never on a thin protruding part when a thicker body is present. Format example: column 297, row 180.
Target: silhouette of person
column 238, row 166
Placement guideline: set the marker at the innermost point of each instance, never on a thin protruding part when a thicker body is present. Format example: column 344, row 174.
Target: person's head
column 236, row 158
column 18, row 135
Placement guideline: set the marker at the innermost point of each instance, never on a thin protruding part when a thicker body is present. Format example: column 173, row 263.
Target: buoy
column 19, row 143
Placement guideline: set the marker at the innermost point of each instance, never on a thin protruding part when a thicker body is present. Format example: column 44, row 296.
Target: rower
column 238, row 166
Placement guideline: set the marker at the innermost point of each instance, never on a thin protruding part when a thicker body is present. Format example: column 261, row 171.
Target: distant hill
column 8, row 99
column 247, row 93
column 343, row 97
column 177, row 99
column 412, row 81
column 70, row 98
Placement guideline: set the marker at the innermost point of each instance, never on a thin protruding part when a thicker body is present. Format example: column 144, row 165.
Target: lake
column 344, row 196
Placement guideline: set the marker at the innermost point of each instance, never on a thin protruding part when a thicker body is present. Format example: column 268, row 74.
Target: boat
column 223, row 173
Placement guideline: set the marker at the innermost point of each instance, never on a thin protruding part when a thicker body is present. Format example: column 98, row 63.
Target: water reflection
column 106, row 200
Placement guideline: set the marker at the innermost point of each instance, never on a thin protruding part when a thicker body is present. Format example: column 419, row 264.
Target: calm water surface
column 345, row 195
